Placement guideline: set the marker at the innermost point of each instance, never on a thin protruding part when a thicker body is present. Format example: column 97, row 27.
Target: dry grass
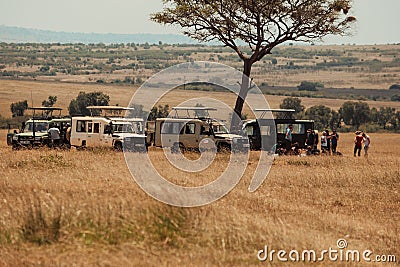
column 63, row 208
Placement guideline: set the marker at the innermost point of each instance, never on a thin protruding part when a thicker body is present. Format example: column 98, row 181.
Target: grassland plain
column 81, row 208
column 336, row 66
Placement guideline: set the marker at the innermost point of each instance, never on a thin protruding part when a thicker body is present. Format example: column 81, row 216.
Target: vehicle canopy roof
column 109, row 111
column 192, row 112
column 284, row 113
column 46, row 112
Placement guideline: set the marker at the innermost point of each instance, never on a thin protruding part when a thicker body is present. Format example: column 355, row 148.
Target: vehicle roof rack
column 45, row 108
column 284, row 113
column 198, row 112
column 47, row 113
column 110, row 108
column 115, row 110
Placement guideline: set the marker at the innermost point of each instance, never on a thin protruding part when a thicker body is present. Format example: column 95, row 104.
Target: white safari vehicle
column 196, row 132
column 108, row 131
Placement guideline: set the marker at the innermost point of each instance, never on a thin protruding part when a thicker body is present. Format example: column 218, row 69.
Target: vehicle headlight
column 38, row 138
column 15, row 138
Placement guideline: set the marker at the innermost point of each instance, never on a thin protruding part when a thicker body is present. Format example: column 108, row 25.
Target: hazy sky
column 378, row 20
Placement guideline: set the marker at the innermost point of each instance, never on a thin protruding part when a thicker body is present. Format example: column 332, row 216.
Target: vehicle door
column 299, row 134
column 206, row 136
column 93, row 133
column 252, row 131
column 188, row 136
column 79, row 132
column 106, row 132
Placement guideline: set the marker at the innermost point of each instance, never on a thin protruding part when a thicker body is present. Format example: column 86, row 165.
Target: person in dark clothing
column 334, row 141
column 288, row 138
column 328, row 142
column 316, row 140
column 310, row 141
column 358, row 140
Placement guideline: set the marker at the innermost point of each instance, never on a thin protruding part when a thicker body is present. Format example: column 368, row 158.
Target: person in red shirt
column 358, row 140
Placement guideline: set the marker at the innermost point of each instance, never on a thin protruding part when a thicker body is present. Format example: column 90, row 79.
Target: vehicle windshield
column 39, row 127
column 220, row 129
column 133, row 127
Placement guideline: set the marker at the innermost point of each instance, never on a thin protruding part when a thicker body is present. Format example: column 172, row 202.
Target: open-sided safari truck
column 282, row 118
column 34, row 132
column 108, row 126
column 192, row 128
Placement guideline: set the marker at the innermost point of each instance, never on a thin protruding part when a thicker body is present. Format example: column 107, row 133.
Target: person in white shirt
column 367, row 143
column 324, row 143
column 54, row 133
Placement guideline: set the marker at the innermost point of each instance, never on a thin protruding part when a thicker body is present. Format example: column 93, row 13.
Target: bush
column 394, row 87
column 309, row 86
column 395, row 98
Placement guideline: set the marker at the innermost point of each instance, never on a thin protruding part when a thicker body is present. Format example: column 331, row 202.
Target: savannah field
column 82, row 208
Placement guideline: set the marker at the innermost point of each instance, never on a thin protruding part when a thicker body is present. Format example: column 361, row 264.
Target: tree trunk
column 244, row 89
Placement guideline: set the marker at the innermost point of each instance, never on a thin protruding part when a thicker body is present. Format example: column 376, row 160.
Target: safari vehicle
column 265, row 127
column 108, row 130
column 33, row 132
column 196, row 132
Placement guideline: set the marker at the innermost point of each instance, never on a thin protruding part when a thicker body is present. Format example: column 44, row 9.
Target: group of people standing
column 55, row 135
column 329, row 142
column 360, row 139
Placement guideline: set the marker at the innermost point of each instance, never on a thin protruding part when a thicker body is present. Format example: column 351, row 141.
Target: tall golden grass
column 82, row 208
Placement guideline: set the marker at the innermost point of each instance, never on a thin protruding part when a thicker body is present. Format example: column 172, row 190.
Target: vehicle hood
column 30, row 134
column 129, row 135
column 228, row 136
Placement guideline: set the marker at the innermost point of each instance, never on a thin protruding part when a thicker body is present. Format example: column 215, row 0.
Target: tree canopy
column 261, row 25
column 18, row 108
column 79, row 105
column 50, row 101
column 293, row 103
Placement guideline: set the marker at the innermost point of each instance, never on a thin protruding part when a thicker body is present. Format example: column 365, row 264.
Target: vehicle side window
column 171, row 127
column 205, row 130
column 90, row 127
column 265, row 130
column 81, row 126
column 190, row 128
column 250, row 130
column 298, row 128
column 96, row 127
column 108, row 129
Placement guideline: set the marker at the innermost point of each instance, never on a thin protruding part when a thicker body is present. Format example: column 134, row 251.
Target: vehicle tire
column 118, row 146
column 174, row 148
column 178, row 147
column 224, row 147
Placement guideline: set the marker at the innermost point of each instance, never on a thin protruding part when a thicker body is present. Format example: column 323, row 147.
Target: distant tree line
column 351, row 116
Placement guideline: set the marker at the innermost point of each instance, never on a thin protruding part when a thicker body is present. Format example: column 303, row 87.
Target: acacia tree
column 260, row 24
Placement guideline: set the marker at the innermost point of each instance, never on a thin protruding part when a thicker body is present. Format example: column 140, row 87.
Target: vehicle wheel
column 182, row 148
column 118, row 146
column 178, row 147
column 224, row 148
column 175, row 148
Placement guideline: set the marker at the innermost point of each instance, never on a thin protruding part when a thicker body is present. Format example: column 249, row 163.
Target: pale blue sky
column 378, row 20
